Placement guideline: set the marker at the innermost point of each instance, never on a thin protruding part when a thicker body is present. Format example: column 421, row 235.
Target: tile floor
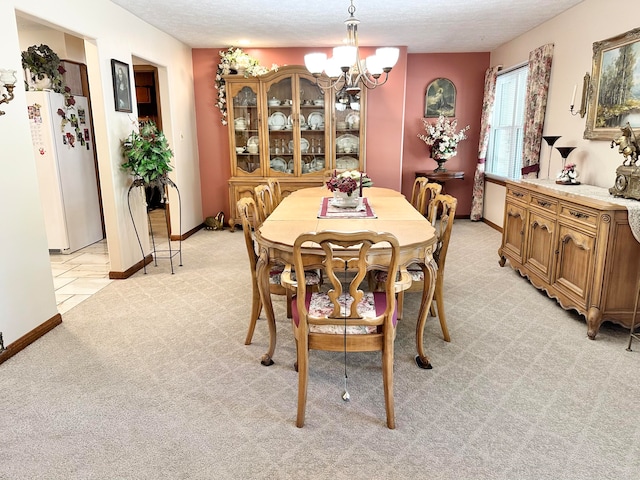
column 80, row 274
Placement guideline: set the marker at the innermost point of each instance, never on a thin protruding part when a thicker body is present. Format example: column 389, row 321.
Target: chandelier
column 346, row 72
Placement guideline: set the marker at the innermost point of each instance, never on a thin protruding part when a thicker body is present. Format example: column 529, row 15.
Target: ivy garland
column 235, row 60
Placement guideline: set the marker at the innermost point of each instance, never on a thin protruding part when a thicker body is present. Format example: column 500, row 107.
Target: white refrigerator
column 63, row 149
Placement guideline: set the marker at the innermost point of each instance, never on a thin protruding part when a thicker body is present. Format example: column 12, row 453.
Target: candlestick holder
column 551, row 140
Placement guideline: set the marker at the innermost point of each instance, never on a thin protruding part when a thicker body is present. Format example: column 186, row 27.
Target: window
column 504, row 154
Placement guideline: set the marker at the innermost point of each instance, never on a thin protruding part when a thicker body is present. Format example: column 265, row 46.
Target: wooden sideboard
column 578, row 249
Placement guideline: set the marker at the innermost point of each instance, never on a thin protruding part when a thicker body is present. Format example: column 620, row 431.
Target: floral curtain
column 536, row 105
column 487, row 108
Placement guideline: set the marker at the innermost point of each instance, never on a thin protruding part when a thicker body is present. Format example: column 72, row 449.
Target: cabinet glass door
column 347, row 134
column 244, row 116
column 280, row 121
column 313, row 134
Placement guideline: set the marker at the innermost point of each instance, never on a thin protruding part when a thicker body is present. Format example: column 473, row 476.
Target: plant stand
column 169, row 252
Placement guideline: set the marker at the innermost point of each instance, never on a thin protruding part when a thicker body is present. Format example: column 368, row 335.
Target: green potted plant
column 44, row 68
column 147, row 156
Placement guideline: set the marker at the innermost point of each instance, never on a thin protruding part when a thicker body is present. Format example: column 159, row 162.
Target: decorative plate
column 253, row 140
column 290, row 120
column 316, row 118
column 290, row 165
column 317, row 164
column 352, row 118
column 278, row 119
column 347, row 141
column 304, row 145
column 278, row 164
column 347, row 163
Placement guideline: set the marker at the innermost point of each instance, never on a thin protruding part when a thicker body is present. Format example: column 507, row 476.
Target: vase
column 345, row 200
column 441, row 160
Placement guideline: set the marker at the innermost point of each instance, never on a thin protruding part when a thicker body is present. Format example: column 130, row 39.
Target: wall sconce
column 583, row 100
column 8, row 81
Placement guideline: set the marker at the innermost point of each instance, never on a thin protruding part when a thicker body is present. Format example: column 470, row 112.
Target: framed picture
column 121, row 85
column 440, row 98
column 614, row 96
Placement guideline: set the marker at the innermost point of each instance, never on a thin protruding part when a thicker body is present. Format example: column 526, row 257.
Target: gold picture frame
column 440, row 99
column 614, row 60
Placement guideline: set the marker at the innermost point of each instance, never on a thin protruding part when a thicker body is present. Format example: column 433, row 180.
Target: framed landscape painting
column 614, row 90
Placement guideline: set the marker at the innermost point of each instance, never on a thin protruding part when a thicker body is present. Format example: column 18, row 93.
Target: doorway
column 149, row 109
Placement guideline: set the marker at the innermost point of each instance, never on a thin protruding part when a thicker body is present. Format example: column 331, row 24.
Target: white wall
column 26, row 287
column 573, row 34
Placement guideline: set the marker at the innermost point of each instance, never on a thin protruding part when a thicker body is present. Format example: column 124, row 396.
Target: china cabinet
column 283, row 125
column 578, row 249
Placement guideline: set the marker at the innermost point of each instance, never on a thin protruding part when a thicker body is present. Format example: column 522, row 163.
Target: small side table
column 441, row 177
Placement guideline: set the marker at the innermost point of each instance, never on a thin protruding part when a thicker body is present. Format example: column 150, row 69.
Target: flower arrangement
column 235, row 60
column 568, row 174
column 348, row 181
column 442, row 137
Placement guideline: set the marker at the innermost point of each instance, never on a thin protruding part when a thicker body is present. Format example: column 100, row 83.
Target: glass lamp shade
column 332, row 69
column 345, row 56
column 315, row 62
column 388, row 56
column 8, row 77
column 373, row 65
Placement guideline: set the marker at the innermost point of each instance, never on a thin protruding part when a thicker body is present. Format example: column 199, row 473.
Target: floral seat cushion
column 318, row 304
column 312, row 277
column 417, row 275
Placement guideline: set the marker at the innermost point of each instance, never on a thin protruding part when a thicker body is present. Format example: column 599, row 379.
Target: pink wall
column 393, row 120
column 466, row 71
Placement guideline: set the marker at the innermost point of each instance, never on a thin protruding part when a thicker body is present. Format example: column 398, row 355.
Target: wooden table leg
column 430, row 271
column 262, row 276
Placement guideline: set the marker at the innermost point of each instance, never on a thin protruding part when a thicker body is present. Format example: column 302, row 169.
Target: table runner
column 328, row 210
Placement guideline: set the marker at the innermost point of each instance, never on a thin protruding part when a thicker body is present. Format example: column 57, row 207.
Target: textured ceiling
column 424, row 26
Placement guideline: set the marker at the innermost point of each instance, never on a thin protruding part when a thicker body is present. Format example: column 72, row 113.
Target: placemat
column 328, row 210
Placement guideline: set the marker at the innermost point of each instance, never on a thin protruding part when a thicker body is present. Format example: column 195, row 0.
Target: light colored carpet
column 150, row 379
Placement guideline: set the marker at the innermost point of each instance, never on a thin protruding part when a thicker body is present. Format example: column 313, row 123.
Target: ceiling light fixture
column 345, row 72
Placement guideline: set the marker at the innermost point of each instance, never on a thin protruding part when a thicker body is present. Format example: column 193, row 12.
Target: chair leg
column 289, row 297
column 256, row 308
column 440, row 303
column 400, row 303
column 387, row 381
column 303, row 379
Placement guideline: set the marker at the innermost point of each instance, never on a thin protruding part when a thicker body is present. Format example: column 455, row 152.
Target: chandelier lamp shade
column 345, row 70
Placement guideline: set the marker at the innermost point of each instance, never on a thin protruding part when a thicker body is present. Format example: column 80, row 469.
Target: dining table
column 311, row 210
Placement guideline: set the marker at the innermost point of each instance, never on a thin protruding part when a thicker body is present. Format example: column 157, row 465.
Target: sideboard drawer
column 546, row 203
column 518, row 194
column 581, row 214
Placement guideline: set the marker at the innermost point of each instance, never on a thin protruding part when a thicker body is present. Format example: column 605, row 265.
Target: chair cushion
column 417, row 275
column 311, row 277
column 318, row 304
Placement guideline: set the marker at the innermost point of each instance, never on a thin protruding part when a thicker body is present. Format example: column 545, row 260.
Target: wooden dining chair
column 248, row 211
column 344, row 318
column 423, row 192
column 276, row 191
column 441, row 213
column 264, row 201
